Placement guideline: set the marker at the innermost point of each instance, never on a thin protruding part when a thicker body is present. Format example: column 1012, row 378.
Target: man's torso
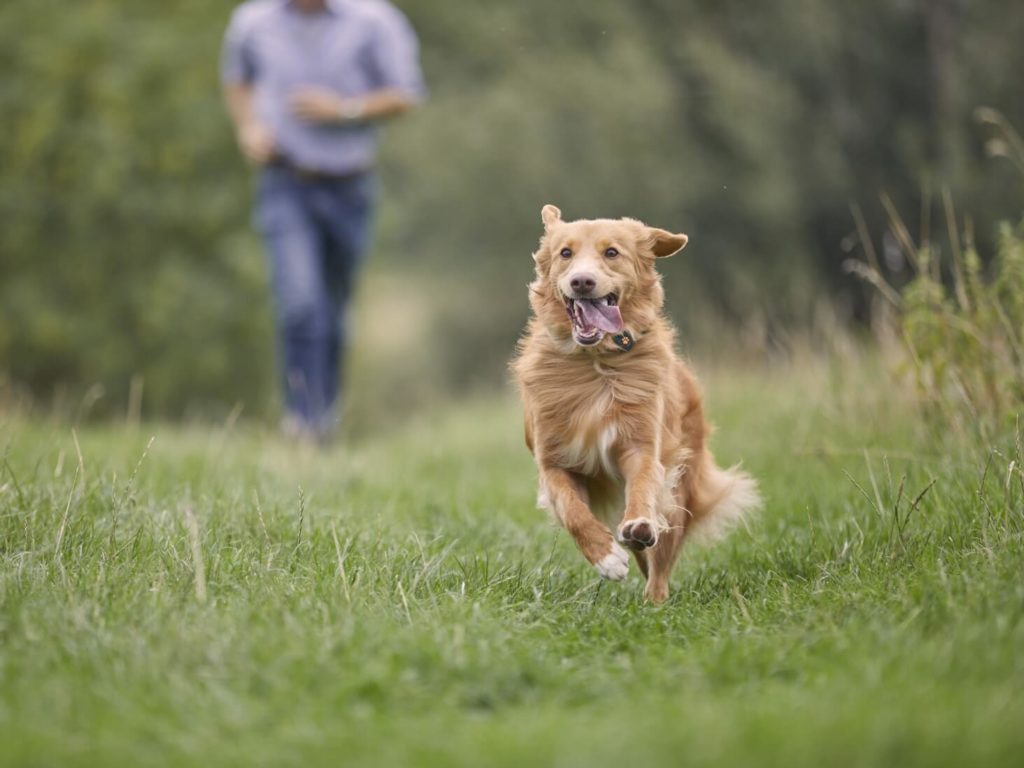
column 337, row 49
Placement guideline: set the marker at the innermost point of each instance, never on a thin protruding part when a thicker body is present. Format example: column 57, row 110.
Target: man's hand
column 321, row 105
column 256, row 141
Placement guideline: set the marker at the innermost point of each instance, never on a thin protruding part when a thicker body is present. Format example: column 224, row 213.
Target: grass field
column 224, row 598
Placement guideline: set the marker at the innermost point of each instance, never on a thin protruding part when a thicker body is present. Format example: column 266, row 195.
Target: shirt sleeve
column 237, row 62
column 394, row 55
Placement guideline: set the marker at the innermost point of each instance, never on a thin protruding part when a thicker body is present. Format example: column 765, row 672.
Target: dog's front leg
column 645, row 482
column 568, row 498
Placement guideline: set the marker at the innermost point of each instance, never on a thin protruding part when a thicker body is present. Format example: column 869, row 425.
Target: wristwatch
column 352, row 109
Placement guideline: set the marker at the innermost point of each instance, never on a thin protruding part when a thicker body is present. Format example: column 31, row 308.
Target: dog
column 613, row 416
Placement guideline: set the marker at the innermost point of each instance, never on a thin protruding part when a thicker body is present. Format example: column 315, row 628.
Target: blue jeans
column 316, row 232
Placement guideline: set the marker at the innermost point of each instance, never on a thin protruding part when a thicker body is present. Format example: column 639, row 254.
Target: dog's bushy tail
column 729, row 497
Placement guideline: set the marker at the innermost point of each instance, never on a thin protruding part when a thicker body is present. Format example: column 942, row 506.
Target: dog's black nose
column 583, row 283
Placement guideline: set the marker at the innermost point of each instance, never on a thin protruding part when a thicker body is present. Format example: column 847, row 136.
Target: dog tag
column 624, row 341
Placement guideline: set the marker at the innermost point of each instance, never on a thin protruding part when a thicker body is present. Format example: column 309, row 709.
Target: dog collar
column 624, row 341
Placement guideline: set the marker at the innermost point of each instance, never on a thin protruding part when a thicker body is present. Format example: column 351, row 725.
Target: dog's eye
column 566, row 253
column 611, row 253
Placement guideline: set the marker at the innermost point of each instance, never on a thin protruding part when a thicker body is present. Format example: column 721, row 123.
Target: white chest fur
column 589, row 446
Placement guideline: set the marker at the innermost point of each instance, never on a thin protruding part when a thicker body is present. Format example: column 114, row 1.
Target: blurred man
column 306, row 83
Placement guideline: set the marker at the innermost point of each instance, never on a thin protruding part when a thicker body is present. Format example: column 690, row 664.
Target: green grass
column 400, row 601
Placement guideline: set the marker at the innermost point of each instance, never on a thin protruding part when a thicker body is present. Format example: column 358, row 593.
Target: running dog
column 613, row 415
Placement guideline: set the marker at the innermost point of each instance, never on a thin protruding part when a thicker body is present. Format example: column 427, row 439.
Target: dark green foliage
column 967, row 344
column 125, row 245
column 124, row 207
column 963, row 329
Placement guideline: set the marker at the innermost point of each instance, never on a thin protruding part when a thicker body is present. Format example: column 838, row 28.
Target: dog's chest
column 588, row 442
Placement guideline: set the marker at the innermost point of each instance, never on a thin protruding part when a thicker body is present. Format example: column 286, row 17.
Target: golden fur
column 619, row 437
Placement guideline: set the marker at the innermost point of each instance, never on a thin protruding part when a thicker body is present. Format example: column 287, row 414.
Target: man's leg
column 296, row 247
column 345, row 208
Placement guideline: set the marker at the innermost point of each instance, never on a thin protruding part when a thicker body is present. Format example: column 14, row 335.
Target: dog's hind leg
column 661, row 558
column 640, row 555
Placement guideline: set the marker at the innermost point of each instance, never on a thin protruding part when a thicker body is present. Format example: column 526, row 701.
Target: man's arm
column 238, row 72
column 321, row 105
column 254, row 138
column 393, row 64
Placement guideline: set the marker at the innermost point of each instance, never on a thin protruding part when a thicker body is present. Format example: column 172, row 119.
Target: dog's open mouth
column 593, row 318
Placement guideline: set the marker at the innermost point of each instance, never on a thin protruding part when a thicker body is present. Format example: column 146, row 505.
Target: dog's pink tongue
column 602, row 315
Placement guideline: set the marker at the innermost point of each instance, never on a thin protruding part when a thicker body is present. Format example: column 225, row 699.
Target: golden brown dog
column 613, row 416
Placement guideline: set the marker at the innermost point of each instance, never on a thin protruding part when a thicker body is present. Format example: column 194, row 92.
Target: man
column 306, row 83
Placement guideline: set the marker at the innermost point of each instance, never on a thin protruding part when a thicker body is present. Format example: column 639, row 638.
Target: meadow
column 195, row 595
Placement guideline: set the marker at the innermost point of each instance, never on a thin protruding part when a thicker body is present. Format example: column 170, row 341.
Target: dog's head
column 596, row 276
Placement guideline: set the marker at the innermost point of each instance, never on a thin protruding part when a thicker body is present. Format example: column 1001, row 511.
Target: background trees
column 125, row 245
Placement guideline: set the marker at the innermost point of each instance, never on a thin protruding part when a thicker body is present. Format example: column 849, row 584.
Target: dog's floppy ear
column 549, row 214
column 665, row 243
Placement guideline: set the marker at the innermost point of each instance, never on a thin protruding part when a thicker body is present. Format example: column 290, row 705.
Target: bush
column 962, row 329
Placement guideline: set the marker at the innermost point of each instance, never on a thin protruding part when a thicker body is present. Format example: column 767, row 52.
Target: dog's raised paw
column 615, row 565
column 638, row 534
